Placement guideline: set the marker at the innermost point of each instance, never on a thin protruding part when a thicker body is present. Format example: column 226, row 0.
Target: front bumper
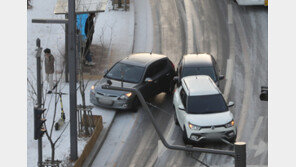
column 211, row 134
column 110, row 102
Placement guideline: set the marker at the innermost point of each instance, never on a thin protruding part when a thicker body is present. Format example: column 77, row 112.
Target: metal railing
column 239, row 152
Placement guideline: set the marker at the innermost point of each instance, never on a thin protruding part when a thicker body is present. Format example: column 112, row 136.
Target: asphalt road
column 237, row 37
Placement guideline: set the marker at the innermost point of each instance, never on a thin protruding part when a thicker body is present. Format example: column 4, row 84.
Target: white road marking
column 229, row 73
column 200, row 158
column 255, row 132
column 248, row 87
column 262, row 146
column 190, row 36
column 230, row 18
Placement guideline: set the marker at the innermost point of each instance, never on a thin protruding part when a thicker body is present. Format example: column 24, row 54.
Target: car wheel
column 176, row 119
column 185, row 138
column 135, row 105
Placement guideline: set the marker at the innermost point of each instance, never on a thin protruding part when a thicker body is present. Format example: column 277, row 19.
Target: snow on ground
column 52, row 36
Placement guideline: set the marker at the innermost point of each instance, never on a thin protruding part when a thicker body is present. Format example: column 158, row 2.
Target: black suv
column 198, row 64
column 149, row 73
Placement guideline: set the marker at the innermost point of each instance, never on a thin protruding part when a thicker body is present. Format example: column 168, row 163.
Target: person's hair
column 46, row 50
column 92, row 14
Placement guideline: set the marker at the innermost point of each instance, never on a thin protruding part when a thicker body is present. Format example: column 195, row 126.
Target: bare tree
column 32, row 94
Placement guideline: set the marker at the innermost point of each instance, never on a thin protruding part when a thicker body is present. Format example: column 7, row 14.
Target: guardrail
column 239, row 152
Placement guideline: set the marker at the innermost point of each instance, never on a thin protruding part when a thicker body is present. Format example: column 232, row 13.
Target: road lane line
column 230, row 18
column 229, row 74
column 255, row 132
column 248, row 87
column 200, row 158
column 190, row 36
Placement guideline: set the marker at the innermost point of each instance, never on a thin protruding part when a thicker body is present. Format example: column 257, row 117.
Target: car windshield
column 206, row 104
column 188, row 71
column 126, row 72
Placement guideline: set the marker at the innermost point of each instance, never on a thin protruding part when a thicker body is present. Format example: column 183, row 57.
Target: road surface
column 237, row 37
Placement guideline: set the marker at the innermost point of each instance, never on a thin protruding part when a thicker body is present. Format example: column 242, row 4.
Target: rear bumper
column 110, row 102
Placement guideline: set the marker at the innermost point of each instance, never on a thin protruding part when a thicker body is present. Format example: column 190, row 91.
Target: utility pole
column 72, row 84
column 66, row 51
column 39, row 94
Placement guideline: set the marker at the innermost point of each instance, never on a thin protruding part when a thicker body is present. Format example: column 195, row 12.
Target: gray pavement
column 237, row 38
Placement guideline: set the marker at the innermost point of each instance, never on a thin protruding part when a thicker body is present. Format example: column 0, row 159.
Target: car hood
column 115, row 83
column 210, row 119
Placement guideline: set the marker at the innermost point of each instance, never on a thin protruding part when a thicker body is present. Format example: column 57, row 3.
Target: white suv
column 201, row 110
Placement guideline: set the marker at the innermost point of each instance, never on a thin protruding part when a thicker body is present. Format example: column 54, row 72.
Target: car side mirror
column 221, row 77
column 264, row 93
column 148, row 80
column 105, row 71
column 176, row 78
column 230, row 104
column 181, row 107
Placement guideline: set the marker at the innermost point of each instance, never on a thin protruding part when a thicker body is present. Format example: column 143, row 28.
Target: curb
column 98, row 145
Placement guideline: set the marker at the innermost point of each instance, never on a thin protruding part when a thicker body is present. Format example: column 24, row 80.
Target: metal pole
column 173, row 147
column 240, row 154
column 39, row 94
column 66, row 51
column 72, row 72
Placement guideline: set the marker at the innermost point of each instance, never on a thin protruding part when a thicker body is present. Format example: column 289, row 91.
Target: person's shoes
column 91, row 63
column 29, row 6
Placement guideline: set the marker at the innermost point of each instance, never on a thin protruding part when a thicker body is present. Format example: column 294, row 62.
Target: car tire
column 136, row 104
column 185, row 138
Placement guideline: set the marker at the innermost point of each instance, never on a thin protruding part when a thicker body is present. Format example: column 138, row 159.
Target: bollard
column 240, row 154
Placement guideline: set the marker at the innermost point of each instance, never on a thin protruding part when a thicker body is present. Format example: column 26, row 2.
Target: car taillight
column 173, row 65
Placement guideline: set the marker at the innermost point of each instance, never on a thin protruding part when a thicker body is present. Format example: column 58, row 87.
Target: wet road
column 237, row 37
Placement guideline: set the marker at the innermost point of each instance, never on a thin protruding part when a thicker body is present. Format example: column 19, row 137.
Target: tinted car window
column 130, row 73
column 156, row 68
column 183, row 97
column 188, row 71
column 206, row 104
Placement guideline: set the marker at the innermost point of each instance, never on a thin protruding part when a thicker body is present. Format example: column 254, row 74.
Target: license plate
column 105, row 101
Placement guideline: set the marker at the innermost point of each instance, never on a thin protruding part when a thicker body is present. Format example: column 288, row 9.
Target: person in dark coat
column 49, row 67
column 89, row 31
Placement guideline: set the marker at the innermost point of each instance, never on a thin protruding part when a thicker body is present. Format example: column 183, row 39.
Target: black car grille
column 216, row 126
column 102, row 94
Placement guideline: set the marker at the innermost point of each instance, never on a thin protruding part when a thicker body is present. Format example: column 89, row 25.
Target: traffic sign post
column 39, row 100
column 39, row 130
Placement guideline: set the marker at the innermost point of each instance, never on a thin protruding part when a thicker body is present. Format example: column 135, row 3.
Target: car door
column 166, row 74
column 217, row 71
column 148, row 89
column 180, row 66
column 181, row 114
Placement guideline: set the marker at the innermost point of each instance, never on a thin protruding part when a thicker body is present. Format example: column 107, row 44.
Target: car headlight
column 230, row 124
column 93, row 87
column 125, row 96
column 194, row 127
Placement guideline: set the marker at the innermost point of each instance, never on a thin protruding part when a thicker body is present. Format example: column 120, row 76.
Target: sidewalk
column 108, row 118
column 117, row 28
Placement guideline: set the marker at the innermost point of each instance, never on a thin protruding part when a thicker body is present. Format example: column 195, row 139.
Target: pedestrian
column 49, row 68
column 29, row 6
column 89, row 31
